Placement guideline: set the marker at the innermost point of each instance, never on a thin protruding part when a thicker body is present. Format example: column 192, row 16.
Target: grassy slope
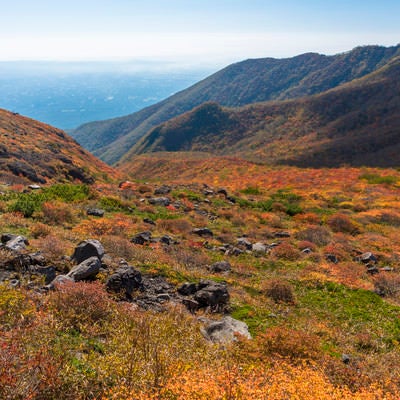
column 237, row 85
column 35, row 152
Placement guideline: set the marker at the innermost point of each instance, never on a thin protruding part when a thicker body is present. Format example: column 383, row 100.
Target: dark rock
column 149, row 221
column 125, row 280
column 368, row 257
column 243, row 242
column 212, row 295
column 282, row 234
column 346, row 358
column 223, row 192
column 208, row 192
column 221, row 266
column 162, row 190
column 160, row 201
column 331, row 258
column 203, row 232
column 87, row 269
column 48, row 272
column 306, row 251
column 225, row 330
column 231, row 199
column 87, row 249
column 187, row 289
column 234, row 251
column 142, row 237
column 373, row 269
column 96, row 212
column 167, row 240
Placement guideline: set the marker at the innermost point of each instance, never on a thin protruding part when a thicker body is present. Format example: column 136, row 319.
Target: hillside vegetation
column 311, row 264
column 33, row 152
column 355, row 124
column 237, row 85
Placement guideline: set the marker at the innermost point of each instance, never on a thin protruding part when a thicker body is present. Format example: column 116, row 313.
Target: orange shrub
column 56, row 213
column 342, row 223
column 318, row 235
column 280, row 291
column 286, row 251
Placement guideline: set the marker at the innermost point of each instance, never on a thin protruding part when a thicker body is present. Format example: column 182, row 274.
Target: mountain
column 237, row 85
column 357, row 123
column 31, row 151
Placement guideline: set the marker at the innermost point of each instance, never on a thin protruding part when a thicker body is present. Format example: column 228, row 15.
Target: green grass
column 378, row 179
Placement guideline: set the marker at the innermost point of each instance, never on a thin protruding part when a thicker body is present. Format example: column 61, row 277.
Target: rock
column 187, row 289
column 222, row 191
column 124, row 280
column 59, row 280
column 243, row 242
column 87, row 269
column 87, row 249
column 96, row 212
column 48, row 272
column 34, row 187
column 259, row 248
column 166, row 239
column 164, row 189
column 346, row 358
column 387, row 269
column 203, row 232
column 224, row 331
column 231, row 199
column 234, row 251
column 307, row 250
column 331, row 258
column 221, row 266
column 160, row 201
column 14, row 242
column 372, row 269
column 282, row 234
column 149, row 221
column 212, row 295
column 208, row 192
column 142, row 237
column 368, row 257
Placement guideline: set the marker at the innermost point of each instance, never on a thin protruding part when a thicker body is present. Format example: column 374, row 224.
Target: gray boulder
column 87, row 249
column 14, row 242
column 221, row 266
column 59, row 280
column 95, row 212
column 142, row 237
column 87, row 269
column 259, row 247
column 224, row 331
column 203, row 232
column 160, row 201
column 162, row 190
column 124, row 280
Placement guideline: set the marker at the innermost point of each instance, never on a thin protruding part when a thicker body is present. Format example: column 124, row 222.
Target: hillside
column 356, row 124
column 230, row 280
column 237, row 85
column 31, row 151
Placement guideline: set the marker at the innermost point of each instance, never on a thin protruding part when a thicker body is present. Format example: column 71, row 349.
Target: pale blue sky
column 202, row 31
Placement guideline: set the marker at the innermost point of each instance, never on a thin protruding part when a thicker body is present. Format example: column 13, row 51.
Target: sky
column 195, row 32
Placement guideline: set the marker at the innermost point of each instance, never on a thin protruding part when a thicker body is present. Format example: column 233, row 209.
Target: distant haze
column 67, row 95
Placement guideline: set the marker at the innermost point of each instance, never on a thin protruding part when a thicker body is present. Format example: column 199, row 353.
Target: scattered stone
column 34, row 187
column 225, row 330
column 387, row 269
column 203, row 232
column 282, row 234
column 208, row 192
column 368, row 257
column 331, row 258
column 166, row 239
column 48, row 272
column 87, row 249
column 149, row 221
column 221, row 266
column 346, row 358
column 160, row 201
column 223, row 192
column 87, row 269
column 234, row 251
column 164, row 189
column 212, row 295
column 259, row 248
column 231, row 199
column 142, row 238
column 96, row 212
column 59, row 280
column 187, row 289
column 124, row 280
column 244, row 242
column 307, row 250
column 373, row 269
column 15, row 243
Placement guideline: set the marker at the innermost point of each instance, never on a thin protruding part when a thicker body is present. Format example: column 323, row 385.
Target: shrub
column 318, row 235
column 342, row 223
column 286, row 251
column 280, row 291
column 175, row 226
column 56, row 213
column 81, row 306
column 386, row 284
column 40, row 230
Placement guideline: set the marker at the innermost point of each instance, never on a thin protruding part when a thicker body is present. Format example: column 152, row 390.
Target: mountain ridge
column 236, row 85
